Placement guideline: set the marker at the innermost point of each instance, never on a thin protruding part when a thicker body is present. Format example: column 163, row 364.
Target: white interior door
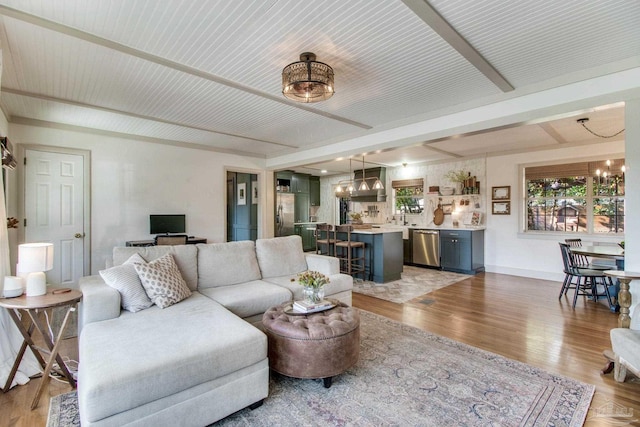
column 54, row 210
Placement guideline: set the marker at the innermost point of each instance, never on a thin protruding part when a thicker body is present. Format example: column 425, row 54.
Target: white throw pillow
column 163, row 282
column 124, row 278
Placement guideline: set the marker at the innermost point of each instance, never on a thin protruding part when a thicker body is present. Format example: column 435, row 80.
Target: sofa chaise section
column 155, row 364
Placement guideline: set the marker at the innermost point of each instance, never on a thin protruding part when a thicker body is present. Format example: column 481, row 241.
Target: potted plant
column 457, row 177
column 356, row 217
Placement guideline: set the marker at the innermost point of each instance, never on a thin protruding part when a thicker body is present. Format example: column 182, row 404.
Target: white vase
column 458, row 188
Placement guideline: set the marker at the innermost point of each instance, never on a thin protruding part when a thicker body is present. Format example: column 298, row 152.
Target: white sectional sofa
column 197, row 361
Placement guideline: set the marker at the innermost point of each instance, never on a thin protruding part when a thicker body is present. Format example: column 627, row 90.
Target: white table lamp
column 35, row 259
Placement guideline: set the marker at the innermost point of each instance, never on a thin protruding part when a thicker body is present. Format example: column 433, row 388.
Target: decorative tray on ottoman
column 324, row 305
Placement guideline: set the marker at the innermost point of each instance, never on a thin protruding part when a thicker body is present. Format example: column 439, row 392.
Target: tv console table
column 190, row 241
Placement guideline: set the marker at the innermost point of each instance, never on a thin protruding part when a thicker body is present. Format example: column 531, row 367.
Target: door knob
column 79, row 235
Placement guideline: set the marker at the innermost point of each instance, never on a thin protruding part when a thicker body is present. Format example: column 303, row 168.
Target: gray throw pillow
column 162, row 281
column 125, row 280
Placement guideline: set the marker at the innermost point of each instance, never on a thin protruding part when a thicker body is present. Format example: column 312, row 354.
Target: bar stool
column 325, row 236
column 351, row 261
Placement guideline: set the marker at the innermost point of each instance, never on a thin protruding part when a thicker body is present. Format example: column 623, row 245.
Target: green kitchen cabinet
column 314, row 190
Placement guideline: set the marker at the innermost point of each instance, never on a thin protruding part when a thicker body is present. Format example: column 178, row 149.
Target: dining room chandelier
column 307, row 80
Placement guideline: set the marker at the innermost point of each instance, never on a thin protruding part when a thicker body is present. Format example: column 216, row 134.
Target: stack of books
column 311, row 307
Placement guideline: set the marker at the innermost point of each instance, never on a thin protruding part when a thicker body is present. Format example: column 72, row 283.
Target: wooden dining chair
column 582, row 260
column 585, row 281
column 171, row 240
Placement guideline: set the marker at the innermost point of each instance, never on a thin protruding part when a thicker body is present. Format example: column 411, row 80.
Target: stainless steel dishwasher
column 426, row 247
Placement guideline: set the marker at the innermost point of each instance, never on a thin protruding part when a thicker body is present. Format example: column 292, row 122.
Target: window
column 408, row 195
column 586, row 197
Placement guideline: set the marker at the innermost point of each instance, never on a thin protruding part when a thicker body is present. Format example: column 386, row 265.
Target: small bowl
column 447, row 191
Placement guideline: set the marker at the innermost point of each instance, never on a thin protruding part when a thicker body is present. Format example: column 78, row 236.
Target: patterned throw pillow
column 163, row 282
column 125, row 280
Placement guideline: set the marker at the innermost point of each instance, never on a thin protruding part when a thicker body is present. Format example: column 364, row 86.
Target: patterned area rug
column 406, row 376
column 415, row 281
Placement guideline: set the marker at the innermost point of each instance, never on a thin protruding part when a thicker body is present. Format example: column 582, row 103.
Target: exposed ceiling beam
column 552, row 133
column 433, row 19
column 54, row 125
column 110, row 44
column 438, row 150
column 138, row 116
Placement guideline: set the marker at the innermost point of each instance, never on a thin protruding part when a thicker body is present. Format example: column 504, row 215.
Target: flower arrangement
column 312, row 279
column 456, row 176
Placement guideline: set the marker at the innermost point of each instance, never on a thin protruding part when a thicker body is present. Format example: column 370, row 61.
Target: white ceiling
column 207, row 73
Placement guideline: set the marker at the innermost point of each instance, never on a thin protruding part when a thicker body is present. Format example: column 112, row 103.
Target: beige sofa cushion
column 185, row 257
column 223, row 264
column 337, row 283
column 141, row 357
column 248, row 299
column 280, row 256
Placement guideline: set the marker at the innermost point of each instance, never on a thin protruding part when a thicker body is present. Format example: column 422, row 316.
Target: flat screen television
column 165, row 224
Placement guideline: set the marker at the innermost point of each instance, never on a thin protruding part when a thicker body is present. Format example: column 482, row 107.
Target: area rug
column 415, row 281
column 406, row 376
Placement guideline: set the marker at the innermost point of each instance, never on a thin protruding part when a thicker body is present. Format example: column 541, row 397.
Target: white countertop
column 375, row 231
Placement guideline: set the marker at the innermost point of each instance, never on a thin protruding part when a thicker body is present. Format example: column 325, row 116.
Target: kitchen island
column 383, row 253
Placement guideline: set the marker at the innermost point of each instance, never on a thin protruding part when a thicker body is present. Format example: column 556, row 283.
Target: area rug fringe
column 406, row 376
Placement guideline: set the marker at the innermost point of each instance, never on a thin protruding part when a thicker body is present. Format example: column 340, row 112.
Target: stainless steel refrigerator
column 285, row 205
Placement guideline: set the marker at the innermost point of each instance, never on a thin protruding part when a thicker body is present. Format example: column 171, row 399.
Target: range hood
column 370, row 176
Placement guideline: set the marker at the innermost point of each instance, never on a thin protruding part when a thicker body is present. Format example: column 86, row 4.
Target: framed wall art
column 254, row 192
column 501, row 208
column 242, row 193
column 501, row 193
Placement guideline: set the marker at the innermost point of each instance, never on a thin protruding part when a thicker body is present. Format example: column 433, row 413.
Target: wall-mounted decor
column 254, row 192
column 447, row 208
column 501, row 193
column 242, row 193
column 501, row 208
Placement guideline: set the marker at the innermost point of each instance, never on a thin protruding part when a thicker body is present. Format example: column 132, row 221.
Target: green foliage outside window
column 409, row 201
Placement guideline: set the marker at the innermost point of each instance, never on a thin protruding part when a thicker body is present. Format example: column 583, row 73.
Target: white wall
column 509, row 251
column 131, row 179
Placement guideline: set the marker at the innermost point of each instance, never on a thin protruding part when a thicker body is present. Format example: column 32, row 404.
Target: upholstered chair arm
column 99, row 301
column 326, row 265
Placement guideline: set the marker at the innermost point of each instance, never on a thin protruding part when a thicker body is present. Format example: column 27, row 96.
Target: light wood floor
column 515, row 317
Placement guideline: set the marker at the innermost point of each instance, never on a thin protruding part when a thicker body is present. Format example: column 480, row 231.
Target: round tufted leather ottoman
column 316, row 345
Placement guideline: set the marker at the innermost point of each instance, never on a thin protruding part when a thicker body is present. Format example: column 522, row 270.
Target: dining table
column 602, row 251
column 608, row 252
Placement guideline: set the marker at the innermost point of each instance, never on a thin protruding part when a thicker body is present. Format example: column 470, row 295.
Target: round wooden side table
column 33, row 307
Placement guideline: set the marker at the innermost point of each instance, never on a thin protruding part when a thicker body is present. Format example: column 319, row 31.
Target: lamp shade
column 35, row 257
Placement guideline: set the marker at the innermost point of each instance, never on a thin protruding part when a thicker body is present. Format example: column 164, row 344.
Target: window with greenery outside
column 580, row 203
column 409, row 200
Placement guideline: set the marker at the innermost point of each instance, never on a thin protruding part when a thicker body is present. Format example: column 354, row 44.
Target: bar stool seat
column 325, row 236
column 350, row 253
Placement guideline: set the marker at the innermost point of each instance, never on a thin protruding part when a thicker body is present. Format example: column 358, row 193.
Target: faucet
column 403, row 218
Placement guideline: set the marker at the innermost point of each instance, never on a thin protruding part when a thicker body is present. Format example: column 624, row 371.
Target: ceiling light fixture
column 583, row 120
column 307, row 80
column 363, row 185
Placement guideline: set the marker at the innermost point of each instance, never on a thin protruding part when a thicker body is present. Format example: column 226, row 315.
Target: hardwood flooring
column 512, row 316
